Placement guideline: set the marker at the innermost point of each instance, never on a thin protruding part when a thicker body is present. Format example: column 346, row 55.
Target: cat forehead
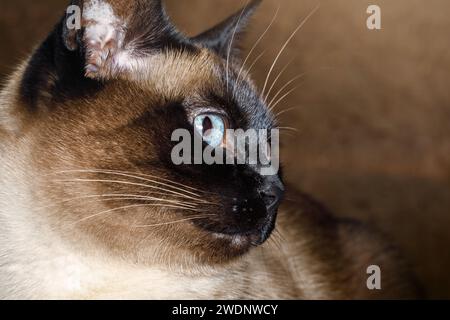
column 174, row 72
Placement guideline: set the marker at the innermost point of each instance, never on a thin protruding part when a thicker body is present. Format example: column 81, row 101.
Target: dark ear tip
column 255, row 3
column 219, row 37
column 251, row 7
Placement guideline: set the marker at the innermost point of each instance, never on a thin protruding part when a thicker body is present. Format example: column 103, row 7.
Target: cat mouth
column 248, row 220
column 237, row 239
column 242, row 238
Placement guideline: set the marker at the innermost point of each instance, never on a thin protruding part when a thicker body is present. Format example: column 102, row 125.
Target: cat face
column 114, row 93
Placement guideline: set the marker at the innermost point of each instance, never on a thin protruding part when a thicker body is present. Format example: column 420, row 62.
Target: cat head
column 103, row 96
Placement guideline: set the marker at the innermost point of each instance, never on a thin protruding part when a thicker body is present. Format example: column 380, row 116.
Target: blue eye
column 211, row 127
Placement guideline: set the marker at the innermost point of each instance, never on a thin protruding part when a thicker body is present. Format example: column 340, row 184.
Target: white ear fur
column 103, row 39
column 115, row 42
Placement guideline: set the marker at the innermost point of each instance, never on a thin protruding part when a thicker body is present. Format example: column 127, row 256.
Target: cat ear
column 113, row 34
column 223, row 37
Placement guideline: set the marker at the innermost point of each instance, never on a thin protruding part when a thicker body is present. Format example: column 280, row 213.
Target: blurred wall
column 372, row 110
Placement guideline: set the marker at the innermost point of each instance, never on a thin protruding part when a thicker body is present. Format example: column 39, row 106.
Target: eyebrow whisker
column 257, row 42
column 285, row 46
column 231, row 45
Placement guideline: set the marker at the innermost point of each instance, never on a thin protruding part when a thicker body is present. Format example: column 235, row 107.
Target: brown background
column 373, row 110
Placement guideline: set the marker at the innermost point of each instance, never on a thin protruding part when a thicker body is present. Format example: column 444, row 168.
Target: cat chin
column 235, row 240
column 240, row 243
column 228, row 248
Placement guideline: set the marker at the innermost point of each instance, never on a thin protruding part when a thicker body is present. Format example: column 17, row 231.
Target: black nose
column 272, row 193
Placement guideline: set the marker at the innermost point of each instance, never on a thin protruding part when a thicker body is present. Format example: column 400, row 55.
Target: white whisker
column 285, row 111
column 256, row 60
column 284, row 87
column 173, row 222
column 285, row 46
column 128, row 183
column 276, row 80
column 258, row 41
column 231, row 45
column 131, row 207
column 116, row 196
column 272, row 107
column 129, row 175
column 288, row 128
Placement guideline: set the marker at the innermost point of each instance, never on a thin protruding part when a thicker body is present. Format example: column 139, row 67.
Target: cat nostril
column 243, row 206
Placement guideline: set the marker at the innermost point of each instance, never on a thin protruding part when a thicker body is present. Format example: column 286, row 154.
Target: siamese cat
column 93, row 207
